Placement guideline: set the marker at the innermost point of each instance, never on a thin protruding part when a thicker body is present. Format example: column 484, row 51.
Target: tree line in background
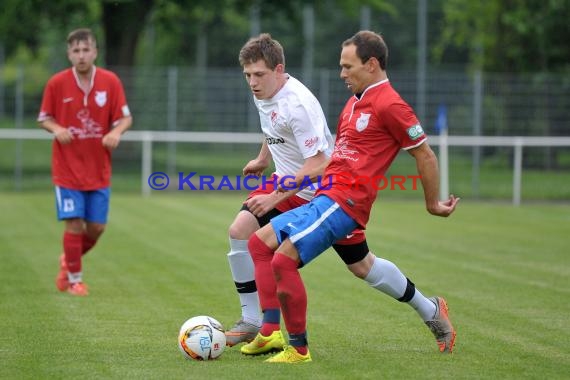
column 524, row 37
column 490, row 35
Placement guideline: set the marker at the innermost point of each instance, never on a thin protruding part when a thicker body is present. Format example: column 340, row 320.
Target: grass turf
column 504, row 271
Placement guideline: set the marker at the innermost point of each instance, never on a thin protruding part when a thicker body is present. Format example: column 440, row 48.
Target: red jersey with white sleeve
column 371, row 131
column 84, row 164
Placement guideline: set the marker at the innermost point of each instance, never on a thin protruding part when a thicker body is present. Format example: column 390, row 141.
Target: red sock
column 266, row 287
column 302, row 350
column 72, row 248
column 268, row 328
column 291, row 294
column 88, row 243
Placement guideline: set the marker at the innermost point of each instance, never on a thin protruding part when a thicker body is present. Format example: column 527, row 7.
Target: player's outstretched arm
column 426, row 163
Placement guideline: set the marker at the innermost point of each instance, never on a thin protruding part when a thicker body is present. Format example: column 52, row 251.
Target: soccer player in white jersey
column 299, row 142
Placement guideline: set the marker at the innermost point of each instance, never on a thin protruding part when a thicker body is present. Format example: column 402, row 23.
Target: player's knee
column 74, row 226
column 234, row 232
column 95, row 230
column 243, row 226
column 284, row 262
column 359, row 269
column 356, row 257
column 258, row 249
column 362, row 268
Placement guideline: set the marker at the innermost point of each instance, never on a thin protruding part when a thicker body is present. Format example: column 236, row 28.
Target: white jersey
column 295, row 128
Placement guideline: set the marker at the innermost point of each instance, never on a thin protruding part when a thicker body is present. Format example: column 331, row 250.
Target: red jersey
column 371, row 131
column 84, row 164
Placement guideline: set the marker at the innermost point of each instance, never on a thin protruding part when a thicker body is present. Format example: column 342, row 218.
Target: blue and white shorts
column 313, row 227
column 91, row 206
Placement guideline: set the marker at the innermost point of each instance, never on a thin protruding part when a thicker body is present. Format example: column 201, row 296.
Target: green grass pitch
column 504, row 271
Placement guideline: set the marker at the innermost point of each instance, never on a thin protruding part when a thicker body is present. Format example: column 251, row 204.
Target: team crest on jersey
column 101, row 98
column 274, row 117
column 362, row 122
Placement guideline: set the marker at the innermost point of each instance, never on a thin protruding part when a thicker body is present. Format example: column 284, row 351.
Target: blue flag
column 441, row 121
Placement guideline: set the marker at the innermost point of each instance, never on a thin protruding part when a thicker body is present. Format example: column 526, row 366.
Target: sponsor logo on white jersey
column 274, row 140
column 311, row 142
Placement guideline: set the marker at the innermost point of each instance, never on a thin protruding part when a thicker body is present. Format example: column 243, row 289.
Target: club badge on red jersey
column 362, row 122
column 101, row 98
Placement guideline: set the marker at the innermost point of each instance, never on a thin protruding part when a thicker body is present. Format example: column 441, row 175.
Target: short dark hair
column 262, row 47
column 83, row 34
column 369, row 44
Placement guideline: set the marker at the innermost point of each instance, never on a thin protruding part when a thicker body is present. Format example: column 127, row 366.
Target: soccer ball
column 202, row 338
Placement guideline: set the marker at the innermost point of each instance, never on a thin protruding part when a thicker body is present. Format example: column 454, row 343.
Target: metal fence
column 148, row 166
column 190, row 99
column 185, row 99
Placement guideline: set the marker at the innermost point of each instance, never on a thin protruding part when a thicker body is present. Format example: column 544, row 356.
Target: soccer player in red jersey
column 372, row 128
column 85, row 108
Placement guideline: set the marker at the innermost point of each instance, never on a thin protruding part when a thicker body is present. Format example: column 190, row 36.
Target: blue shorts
column 91, row 206
column 313, row 227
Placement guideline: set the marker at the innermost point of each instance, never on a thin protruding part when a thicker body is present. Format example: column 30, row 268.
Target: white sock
column 74, row 277
column 386, row 277
column 243, row 273
column 424, row 307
